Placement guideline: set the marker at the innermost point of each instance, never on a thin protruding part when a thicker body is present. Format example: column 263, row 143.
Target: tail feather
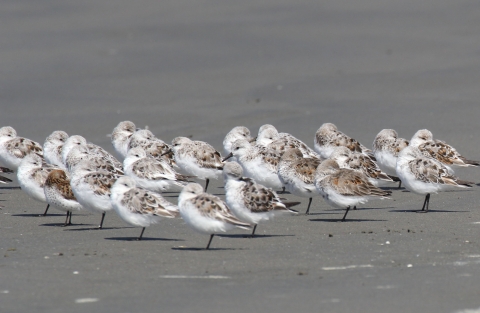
column 290, row 204
column 5, row 170
column 5, row 180
column 465, row 183
column 394, row 178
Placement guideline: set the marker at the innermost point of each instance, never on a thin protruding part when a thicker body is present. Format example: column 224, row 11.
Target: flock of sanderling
column 70, row 174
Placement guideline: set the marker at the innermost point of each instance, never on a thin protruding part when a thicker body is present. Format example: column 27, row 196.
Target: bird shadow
column 250, row 237
column 62, row 224
column 96, row 228
column 434, row 211
column 318, row 213
column 10, row 188
column 37, row 215
column 143, row 239
column 202, row 249
column 347, row 220
column 383, row 208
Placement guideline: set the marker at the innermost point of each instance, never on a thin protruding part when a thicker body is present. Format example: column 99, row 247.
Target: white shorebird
column 439, row 150
column 206, row 213
column 269, row 137
column 32, row 174
column 328, row 137
column 151, row 174
column 362, row 163
column 97, row 162
column 298, row 174
column 94, row 151
column 140, row 207
column 386, row 148
column 59, row 194
column 121, row 136
column 92, row 188
column 249, row 201
column 345, row 188
column 197, row 158
column 13, row 149
column 4, row 179
column 52, row 148
column 424, row 175
column 154, row 146
column 258, row 163
column 238, row 132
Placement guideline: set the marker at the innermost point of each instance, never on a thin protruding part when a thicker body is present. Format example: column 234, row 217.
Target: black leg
column 101, row 222
column 308, row 208
column 206, row 184
column 46, row 210
column 141, row 234
column 283, row 190
column 70, row 219
column 348, row 209
column 211, row 237
column 66, row 219
column 425, row 204
column 253, row 232
column 399, row 184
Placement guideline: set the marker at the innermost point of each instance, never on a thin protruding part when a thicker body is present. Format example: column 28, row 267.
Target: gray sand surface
column 200, row 68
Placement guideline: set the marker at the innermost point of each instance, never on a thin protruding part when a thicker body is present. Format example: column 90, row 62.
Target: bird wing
column 213, row 207
column 20, row 147
column 142, row 201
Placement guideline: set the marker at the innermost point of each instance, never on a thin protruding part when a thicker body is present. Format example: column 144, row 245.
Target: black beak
column 227, row 157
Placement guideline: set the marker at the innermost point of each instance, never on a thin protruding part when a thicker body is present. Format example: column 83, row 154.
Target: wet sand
column 200, row 68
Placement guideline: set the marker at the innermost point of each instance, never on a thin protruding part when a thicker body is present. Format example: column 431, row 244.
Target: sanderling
column 386, row 148
column 52, row 148
column 97, row 162
column 298, row 174
column 13, row 149
column 424, row 175
column 269, row 137
column 345, row 188
column 59, row 194
column 121, row 136
column 206, row 213
column 258, row 163
column 439, row 150
column 154, row 146
column 362, row 163
column 4, row 179
column 32, row 174
column 92, row 188
column 197, row 158
column 138, row 206
column 328, row 137
column 238, row 132
column 249, row 201
column 94, row 151
column 151, row 174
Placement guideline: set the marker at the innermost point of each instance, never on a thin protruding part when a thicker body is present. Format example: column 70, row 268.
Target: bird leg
column 141, row 234
column 211, row 237
column 101, row 222
column 348, row 209
column 425, row 204
column 399, row 184
column 253, row 232
column 308, row 208
column 66, row 219
column 206, row 184
column 46, row 210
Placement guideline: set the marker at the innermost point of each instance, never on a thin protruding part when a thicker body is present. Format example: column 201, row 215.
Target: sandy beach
column 199, row 68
